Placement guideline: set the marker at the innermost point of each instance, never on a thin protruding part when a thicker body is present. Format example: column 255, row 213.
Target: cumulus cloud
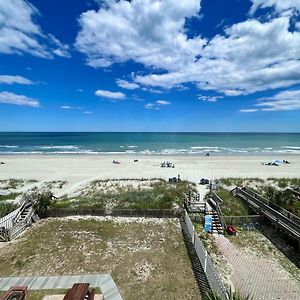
column 282, row 101
column 9, row 79
column 243, row 61
column 127, row 85
column 248, row 57
column 148, row 31
column 19, row 33
column 11, row 98
column 279, row 5
column 110, row 95
column 286, row 100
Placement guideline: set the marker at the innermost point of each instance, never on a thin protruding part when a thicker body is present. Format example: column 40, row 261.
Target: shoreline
column 153, row 155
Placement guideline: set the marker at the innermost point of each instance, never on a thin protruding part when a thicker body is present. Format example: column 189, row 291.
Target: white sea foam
column 291, row 147
column 204, row 147
column 8, row 146
column 58, row 147
column 130, row 151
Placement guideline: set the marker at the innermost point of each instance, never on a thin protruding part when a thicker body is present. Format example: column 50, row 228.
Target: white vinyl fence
column 211, row 273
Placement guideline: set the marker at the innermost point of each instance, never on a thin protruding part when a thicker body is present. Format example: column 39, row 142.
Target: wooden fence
column 150, row 213
column 242, row 220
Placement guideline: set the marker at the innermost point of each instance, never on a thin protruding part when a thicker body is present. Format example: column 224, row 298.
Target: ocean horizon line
column 167, row 132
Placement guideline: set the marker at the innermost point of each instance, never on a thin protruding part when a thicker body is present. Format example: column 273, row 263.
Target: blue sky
column 150, row 65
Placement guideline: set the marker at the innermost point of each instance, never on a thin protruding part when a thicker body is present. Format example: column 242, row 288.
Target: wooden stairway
column 23, row 217
column 217, row 227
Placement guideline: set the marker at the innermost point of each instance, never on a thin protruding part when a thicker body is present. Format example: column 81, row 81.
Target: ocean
column 149, row 143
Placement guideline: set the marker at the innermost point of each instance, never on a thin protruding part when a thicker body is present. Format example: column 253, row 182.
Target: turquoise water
column 150, row 143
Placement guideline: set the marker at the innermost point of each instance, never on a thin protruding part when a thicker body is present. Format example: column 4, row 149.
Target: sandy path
column 260, row 277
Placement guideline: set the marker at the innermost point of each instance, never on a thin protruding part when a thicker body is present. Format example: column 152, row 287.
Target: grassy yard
column 146, row 257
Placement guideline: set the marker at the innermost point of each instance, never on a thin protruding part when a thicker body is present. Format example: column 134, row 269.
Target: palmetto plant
column 231, row 296
column 43, row 203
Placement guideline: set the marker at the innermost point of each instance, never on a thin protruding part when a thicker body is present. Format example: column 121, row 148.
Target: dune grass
column 9, row 196
column 158, row 194
column 6, row 208
column 232, row 206
column 239, row 181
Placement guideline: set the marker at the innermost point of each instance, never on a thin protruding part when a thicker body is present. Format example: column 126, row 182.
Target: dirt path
column 261, row 277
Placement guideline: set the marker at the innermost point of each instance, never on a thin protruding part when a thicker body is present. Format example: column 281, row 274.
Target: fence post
column 193, row 236
column 205, row 261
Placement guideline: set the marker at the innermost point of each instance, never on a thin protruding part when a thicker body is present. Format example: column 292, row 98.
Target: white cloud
column 157, row 104
column 11, row 98
column 286, row 100
column 209, row 98
column 87, row 112
column 163, row 102
column 243, row 61
column 127, row 85
column 110, row 95
column 152, row 106
column 279, row 5
column 282, row 101
column 148, row 31
column 9, row 79
column 248, row 57
column 19, row 33
column 60, row 49
column 249, row 110
column 70, row 107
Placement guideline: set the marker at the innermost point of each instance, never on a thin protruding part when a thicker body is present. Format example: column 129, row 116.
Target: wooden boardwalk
column 279, row 217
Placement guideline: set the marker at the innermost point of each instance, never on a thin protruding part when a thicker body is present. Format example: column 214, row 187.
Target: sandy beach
column 79, row 170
